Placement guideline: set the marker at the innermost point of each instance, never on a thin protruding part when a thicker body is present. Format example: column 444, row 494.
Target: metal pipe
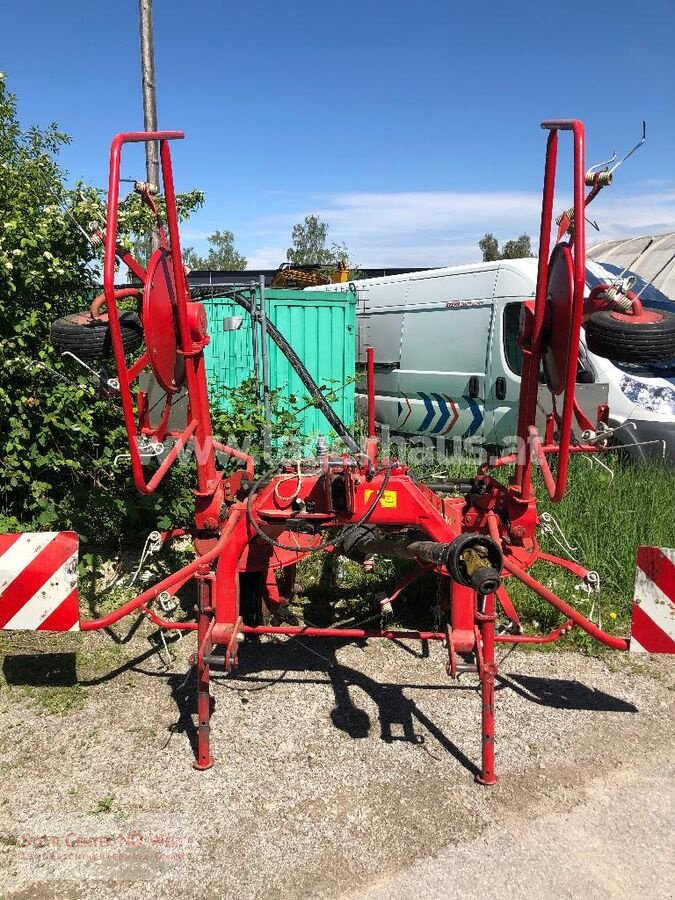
column 267, row 436
column 109, row 290
column 577, row 309
column 461, row 485
column 615, row 643
column 149, row 98
column 254, row 342
column 195, row 367
column 167, row 624
column 487, row 671
column 431, row 552
column 237, row 454
column 554, row 635
column 356, row 633
column 532, row 359
column 370, row 388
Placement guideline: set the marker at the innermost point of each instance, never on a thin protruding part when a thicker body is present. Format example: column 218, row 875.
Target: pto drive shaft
column 473, row 560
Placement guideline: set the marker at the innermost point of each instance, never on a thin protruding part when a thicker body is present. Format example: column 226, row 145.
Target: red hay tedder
column 353, row 503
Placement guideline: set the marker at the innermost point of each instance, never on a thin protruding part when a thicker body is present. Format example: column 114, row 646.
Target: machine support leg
column 204, row 646
column 488, row 672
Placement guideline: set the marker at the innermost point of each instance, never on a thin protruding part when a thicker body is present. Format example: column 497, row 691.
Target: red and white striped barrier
column 653, row 625
column 38, row 581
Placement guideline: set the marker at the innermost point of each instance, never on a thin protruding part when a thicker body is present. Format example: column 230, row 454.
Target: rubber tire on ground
column 92, row 340
column 632, row 343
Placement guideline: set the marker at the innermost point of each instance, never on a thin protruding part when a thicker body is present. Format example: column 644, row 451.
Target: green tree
column 191, row 259
column 309, row 247
column 58, row 439
column 309, row 243
column 222, row 254
column 516, row 249
column 489, row 246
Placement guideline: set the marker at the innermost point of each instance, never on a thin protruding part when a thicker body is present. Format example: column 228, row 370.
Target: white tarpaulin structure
column 645, row 256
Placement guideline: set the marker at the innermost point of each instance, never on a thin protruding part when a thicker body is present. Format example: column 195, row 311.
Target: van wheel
column 612, row 337
column 90, row 338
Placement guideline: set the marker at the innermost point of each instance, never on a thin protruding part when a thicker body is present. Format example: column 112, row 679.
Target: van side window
column 510, row 329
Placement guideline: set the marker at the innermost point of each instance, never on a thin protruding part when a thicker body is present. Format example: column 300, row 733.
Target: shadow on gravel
column 40, row 669
column 561, row 693
column 184, row 694
column 397, row 713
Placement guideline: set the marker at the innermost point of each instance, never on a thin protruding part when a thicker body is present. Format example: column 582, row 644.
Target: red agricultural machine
column 352, row 503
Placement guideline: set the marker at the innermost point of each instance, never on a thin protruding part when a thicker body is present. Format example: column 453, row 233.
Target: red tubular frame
column 533, row 353
column 235, row 536
column 572, row 614
column 370, row 381
column 199, row 421
column 371, row 443
column 249, row 469
column 175, row 581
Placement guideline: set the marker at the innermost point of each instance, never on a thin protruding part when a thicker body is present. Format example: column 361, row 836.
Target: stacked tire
column 613, row 336
column 91, row 339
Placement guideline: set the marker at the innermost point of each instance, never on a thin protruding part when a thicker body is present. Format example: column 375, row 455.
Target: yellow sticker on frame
column 388, row 500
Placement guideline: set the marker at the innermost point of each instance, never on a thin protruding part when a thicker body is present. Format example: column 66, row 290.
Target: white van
column 448, row 362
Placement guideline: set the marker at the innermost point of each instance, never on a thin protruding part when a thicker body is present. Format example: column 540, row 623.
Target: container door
column 229, row 354
column 320, row 326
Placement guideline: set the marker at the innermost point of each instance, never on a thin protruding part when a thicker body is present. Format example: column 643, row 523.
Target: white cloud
column 444, row 227
column 266, row 257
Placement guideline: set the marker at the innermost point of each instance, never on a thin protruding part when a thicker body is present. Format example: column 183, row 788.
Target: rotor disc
column 160, row 323
column 558, row 334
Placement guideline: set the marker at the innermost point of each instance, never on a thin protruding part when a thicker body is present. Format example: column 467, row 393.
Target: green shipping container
column 321, row 328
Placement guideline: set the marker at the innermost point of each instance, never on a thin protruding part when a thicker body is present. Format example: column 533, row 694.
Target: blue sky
column 410, row 127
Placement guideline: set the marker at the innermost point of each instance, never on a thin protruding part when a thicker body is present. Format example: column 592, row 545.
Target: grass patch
column 106, row 806
column 606, row 518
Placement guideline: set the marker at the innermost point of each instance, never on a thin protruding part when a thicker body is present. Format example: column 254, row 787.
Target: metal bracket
column 99, row 378
column 146, row 450
column 590, row 584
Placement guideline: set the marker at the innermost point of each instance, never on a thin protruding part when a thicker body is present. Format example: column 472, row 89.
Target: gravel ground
column 341, row 771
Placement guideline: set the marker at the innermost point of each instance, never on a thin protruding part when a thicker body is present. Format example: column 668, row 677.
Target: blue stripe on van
column 477, row 417
column 431, row 412
column 445, row 414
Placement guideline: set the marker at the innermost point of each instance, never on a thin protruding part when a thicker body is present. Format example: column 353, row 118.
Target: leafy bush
column 58, row 439
column 238, row 419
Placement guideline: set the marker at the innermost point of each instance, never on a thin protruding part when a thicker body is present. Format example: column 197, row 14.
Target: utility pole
column 149, row 96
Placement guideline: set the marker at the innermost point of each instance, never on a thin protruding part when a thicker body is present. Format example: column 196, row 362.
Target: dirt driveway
column 340, row 772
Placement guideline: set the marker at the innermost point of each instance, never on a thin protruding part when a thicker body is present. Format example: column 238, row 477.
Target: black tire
column 632, row 343
column 91, row 339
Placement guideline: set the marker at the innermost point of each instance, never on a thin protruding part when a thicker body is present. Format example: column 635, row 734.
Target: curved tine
column 598, row 166
column 631, row 152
